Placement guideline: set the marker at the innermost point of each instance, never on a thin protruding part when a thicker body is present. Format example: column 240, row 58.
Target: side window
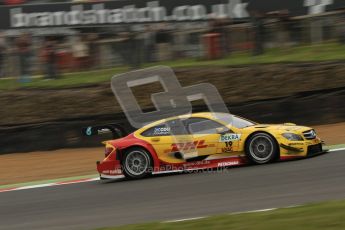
column 196, row 125
column 177, row 127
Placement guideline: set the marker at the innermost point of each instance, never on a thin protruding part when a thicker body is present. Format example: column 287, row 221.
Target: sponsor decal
column 175, row 147
column 115, row 171
column 103, row 131
column 161, row 131
column 228, row 163
column 112, row 172
column 228, row 147
column 229, row 137
column 89, row 131
column 227, row 150
column 196, row 163
column 292, row 144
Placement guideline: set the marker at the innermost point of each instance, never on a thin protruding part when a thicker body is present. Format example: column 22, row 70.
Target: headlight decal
column 292, row 137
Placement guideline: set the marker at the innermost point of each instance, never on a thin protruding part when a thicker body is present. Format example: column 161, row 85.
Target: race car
column 201, row 141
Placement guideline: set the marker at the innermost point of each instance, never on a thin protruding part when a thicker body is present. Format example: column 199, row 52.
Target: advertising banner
column 150, row 11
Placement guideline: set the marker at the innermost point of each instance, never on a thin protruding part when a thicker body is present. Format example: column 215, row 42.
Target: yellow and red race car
column 202, row 141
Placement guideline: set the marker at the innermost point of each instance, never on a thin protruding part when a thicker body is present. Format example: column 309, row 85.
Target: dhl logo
column 188, row 146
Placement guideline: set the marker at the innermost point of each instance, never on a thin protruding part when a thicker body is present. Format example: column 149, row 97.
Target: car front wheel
column 261, row 148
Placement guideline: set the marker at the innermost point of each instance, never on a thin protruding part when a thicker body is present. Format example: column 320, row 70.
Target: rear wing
column 115, row 129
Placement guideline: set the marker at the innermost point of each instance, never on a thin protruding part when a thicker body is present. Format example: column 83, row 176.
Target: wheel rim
column 136, row 163
column 261, row 148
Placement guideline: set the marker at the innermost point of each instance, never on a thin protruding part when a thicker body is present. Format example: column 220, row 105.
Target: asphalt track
column 97, row 204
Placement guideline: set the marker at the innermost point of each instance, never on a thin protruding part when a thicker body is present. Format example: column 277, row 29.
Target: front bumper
column 301, row 148
column 314, row 150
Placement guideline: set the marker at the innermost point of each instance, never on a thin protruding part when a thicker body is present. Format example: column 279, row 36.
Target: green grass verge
column 66, row 80
column 322, row 216
column 310, row 53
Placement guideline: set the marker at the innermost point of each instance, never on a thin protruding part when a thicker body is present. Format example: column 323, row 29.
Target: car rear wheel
column 136, row 163
column 261, row 148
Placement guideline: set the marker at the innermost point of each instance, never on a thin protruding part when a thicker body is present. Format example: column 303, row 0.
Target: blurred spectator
column 94, row 56
column 123, row 46
column 149, row 44
column 341, row 26
column 136, row 45
column 284, row 26
column 80, row 53
column 49, row 57
column 257, row 19
column 163, row 43
column 23, row 46
column 129, row 45
column 12, row 58
column 219, row 27
column 64, row 55
column 2, row 53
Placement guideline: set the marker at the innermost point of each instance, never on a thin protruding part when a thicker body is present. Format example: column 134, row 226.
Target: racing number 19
column 228, row 144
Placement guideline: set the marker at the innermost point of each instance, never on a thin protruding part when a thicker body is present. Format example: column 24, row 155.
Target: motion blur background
column 272, row 61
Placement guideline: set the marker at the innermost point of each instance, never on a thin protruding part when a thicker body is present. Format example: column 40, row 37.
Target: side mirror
column 222, row 130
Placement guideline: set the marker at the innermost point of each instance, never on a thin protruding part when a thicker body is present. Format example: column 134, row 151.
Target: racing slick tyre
column 262, row 148
column 136, row 163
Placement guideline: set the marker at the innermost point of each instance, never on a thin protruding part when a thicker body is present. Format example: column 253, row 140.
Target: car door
column 167, row 139
column 204, row 134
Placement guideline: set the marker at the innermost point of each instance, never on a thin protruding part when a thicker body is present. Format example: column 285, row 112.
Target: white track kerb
column 335, row 150
column 66, row 181
column 233, row 213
